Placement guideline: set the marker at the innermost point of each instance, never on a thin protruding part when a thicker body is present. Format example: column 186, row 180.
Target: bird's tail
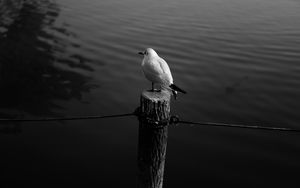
column 176, row 88
column 174, row 94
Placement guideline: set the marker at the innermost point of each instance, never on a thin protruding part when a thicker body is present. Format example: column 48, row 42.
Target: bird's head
column 149, row 52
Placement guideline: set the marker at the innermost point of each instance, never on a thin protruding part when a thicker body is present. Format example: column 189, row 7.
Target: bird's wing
column 166, row 70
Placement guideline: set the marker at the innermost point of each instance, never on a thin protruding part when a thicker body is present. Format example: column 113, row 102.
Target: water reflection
column 33, row 72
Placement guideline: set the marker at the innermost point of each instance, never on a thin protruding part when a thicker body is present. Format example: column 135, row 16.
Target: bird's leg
column 159, row 90
column 152, row 87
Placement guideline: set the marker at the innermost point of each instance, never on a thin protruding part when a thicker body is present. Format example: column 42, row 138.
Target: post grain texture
column 153, row 135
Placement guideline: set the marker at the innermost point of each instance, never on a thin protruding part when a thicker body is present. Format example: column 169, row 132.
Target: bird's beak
column 141, row 53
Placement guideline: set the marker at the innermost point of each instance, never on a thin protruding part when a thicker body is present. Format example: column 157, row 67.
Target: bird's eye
column 146, row 53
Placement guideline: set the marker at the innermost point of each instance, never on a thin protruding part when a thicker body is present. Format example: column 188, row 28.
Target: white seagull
column 157, row 71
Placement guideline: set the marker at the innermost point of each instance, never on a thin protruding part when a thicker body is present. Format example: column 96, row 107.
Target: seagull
column 157, row 71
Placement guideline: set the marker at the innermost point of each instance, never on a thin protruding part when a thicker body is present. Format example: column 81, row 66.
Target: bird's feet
column 153, row 89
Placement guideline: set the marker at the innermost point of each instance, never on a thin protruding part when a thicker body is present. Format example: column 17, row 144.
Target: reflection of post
column 153, row 134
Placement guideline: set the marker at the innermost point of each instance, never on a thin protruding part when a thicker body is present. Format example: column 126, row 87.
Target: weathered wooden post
column 153, row 135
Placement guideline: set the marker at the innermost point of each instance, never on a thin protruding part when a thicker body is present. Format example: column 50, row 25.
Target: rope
column 175, row 120
column 67, row 118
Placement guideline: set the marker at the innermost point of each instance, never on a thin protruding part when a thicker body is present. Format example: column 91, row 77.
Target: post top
column 163, row 95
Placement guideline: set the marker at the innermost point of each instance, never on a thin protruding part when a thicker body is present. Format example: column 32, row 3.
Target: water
column 238, row 60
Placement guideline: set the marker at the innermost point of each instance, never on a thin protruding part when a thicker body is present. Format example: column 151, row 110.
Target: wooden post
column 153, row 135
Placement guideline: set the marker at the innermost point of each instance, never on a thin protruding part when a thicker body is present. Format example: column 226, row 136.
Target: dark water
column 238, row 60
